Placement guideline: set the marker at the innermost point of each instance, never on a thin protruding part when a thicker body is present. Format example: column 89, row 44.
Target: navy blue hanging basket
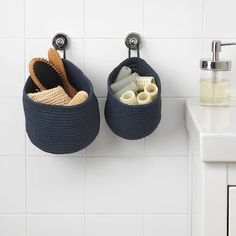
column 62, row 129
column 133, row 121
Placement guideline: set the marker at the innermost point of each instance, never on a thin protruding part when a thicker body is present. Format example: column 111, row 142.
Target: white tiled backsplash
column 114, row 187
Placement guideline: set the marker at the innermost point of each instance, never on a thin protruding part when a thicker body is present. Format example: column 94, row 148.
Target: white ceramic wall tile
column 220, row 18
column 177, row 63
column 12, row 19
column 109, row 144
column 182, row 18
column 12, row 130
column 60, row 225
column 115, row 19
column 45, row 18
column 12, row 67
column 115, row 225
column 165, row 185
column 39, row 48
column 101, row 57
column 227, row 53
column 12, row 185
column 231, row 174
column 165, row 225
column 170, row 137
column 114, row 185
column 55, row 185
column 12, row 225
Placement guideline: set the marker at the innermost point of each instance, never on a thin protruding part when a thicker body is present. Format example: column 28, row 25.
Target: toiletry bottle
column 215, row 78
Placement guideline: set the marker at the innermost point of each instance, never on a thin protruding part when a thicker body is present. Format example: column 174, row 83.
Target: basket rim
column 26, row 97
column 91, row 94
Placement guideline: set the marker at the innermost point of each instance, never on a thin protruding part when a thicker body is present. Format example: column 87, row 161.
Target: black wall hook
column 132, row 42
column 60, row 42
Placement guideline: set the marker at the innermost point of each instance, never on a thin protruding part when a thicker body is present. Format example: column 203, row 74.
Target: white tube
column 79, row 98
column 115, row 87
column 124, row 72
column 128, row 98
column 152, row 90
column 131, row 86
column 143, row 81
column 143, row 98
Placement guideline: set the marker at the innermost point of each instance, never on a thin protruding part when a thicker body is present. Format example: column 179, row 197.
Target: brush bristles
column 40, row 77
column 52, row 65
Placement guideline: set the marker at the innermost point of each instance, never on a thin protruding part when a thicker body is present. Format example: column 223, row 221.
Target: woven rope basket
column 138, row 121
column 63, row 129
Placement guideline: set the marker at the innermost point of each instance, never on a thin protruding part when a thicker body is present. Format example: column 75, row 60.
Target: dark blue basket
column 62, row 129
column 128, row 121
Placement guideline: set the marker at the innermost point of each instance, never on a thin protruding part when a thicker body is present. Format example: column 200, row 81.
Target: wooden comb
column 55, row 58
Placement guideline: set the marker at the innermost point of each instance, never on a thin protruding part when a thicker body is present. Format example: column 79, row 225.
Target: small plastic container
column 215, row 88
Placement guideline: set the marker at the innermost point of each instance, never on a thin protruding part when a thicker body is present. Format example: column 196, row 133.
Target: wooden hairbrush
column 45, row 74
column 55, row 58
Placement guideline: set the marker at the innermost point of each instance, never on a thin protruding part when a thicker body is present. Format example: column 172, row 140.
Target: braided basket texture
column 62, row 129
column 137, row 121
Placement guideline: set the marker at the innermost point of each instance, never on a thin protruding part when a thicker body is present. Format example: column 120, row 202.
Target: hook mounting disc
column 133, row 41
column 60, row 41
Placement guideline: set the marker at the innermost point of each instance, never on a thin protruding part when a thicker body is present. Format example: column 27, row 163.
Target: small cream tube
column 128, row 98
column 143, row 98
column 79, row 98
column 152, row 90
column 117, row 86
column 143, row 81
column 124, row 72
column 131, row 86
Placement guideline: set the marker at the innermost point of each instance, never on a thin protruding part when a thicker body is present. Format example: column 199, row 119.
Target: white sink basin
column 213, row 129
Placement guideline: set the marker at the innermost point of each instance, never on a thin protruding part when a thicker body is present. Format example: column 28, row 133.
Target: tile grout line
column 26, row 199
column 122, row 38
column 85, row 151
column 157, row 156
column 189, row 169
column 166, row 157
column 203, row 27
column 144, row 140
column 96, row 213
column 143, row 188
column 143, row 12
column 84, row 200
column 83, row 34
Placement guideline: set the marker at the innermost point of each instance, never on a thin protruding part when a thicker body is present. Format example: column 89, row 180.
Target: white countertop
column 214, row 130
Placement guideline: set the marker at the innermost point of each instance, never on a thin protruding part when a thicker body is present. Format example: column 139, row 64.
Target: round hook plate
column 133, row 41
column 60, row 41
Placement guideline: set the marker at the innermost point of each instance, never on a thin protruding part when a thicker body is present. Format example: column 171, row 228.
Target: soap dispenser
column 215, row 78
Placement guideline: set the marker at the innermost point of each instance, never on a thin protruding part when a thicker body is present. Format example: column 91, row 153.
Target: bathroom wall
column 114, row 187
